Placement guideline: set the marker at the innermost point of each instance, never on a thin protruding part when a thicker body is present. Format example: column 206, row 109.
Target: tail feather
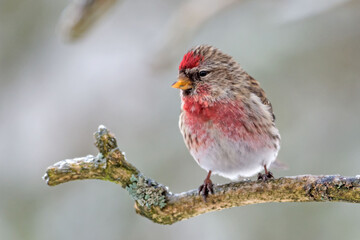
column 279, row 165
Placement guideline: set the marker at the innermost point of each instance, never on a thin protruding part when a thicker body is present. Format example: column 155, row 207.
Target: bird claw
column 206, row 188
column 265, row 176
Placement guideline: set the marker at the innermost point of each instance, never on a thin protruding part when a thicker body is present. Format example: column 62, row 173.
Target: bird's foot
column 206, row 188
column 265, row 176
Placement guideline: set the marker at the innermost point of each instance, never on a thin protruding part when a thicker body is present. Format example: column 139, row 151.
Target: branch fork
column 156, row 202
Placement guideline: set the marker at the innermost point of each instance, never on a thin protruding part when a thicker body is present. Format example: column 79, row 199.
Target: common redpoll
column 226, row 120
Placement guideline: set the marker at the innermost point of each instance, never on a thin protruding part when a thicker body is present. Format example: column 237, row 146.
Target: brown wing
column 255, row 88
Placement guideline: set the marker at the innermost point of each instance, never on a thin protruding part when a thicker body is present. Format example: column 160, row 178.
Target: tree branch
column 81, row 15
column 154, row 201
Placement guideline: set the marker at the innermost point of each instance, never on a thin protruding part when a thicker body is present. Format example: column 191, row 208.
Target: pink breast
column 228, row 118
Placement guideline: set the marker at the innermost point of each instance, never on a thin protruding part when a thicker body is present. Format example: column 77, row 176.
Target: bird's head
column 206, row 71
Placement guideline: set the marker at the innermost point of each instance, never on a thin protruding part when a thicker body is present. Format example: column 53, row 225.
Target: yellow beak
column 183, row 83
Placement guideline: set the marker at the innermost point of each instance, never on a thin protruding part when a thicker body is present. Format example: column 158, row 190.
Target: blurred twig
column 155, row 202
column 80, row 15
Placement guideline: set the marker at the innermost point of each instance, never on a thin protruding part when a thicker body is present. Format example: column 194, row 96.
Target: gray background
column 54, row 94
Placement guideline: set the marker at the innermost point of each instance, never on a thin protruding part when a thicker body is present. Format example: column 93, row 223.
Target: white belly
column 234, row 159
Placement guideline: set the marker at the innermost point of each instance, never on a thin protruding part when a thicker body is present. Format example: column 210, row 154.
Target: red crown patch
column 190, row 60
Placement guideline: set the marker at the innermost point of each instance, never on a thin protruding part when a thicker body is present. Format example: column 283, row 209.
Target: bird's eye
column 203, row 73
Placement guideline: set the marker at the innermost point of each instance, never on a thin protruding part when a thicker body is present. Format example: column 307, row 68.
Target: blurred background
column 54, row 92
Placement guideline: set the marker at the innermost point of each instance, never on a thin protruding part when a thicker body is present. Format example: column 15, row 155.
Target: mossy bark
column 154, row 201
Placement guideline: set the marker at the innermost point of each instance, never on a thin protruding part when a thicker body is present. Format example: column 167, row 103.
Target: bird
column 226, row 120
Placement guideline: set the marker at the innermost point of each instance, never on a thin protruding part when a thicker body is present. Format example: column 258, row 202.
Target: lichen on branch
column 154, row 201
column 146, row 192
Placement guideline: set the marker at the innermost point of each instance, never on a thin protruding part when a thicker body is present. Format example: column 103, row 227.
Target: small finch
column 226, row 120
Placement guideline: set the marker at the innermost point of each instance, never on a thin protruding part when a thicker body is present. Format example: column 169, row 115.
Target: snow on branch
column 156, row 202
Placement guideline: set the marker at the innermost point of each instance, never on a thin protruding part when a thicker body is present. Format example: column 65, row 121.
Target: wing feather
column 255, row 88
